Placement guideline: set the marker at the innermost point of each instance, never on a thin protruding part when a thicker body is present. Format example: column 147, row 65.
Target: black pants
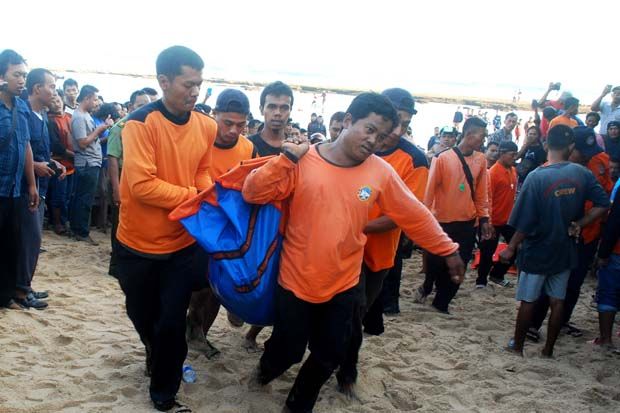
column 386, row 301
column 157, row 293
column 29, row 246
column 113, row 268
column 437, row 271
column 368, row 291
column 487, row 249
column 325, row 327
column 9, row 239
column 585, row 257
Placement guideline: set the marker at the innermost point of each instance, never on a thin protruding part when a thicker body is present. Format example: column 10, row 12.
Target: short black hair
column 69, row 82
column 9, row 57
column 337, row 117
column 295, row 126
column 276, row 88
column 107, row 109
column 496, row 143
column 60, row 93
column 536, row 128
column 134, row 95
column 253, row 122
column 87, row 91
column 510, row 115
column 549, row 112
column 594, row 114
column 150, row 91
column 366, row 103
column 36, row 77
column 472, row 123
column 171, row 60
column 560, row 137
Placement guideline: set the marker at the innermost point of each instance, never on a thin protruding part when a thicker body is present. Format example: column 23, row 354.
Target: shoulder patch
column 141, row 114
column 417, row 155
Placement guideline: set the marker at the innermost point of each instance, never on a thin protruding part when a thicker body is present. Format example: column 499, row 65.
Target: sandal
column 171, row 406
column 532, row 334
column 573, row 331
column 501, row 282
column 609, row 347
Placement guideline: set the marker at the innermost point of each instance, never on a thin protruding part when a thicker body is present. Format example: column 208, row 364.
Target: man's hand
column 61, row 168
column 606, row 90
column 456, row 268
column 487, row 231
column 33, row 198
column 574, row 230
column 116, row 197
column 42, row 170
column 296, row 146
column 507, row 255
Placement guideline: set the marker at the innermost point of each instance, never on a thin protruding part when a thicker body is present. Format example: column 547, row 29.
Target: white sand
column 82, row 355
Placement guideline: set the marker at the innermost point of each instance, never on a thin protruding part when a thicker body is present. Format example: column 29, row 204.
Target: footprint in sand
column 63, row 340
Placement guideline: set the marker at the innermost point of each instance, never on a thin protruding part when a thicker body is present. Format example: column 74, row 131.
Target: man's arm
column 274, row 181
column 203, row 179
column 543, row 98
column 596, row 105
column 113, row 169
column 33, row 193
column 141, row 171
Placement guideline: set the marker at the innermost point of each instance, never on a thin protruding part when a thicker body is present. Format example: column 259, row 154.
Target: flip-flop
column 612, row 349
column 573, row 331
column 533, row 335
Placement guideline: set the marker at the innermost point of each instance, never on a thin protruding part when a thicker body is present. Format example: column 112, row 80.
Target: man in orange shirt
column 457, row 195
column 231, row 115
column 383, row 235
column 571, row 108
column 503, row 189
column 319, row 270
column 167, row 158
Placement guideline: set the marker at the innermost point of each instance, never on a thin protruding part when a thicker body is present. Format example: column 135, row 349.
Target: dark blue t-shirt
column 612, row 147
column 551, row 198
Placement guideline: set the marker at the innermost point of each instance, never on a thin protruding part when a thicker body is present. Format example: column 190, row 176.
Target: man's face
column 15, row 77
column 614, row 170
column 404, row 119
column 447, row 140
column 335, row 127
column 320, row 120
column 295, row 133
column 312, row 118
column 140, row 101
column 591, row 122
column 362, row 137
column 91, row 103
column 56, row 104
column 436, row 131
column 71, row 94
column 229, row 126
column 510, row 123
column 475, row 137
column 572, row 110
column 47, row 91
column 507, row 158
column 613, row 131
column 253, row 129
column 492, row 153
column 276, row 111
column 181, row 92
column 615, row 97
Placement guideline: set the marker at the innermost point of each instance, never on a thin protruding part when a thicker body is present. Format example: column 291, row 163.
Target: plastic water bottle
column 189, row 375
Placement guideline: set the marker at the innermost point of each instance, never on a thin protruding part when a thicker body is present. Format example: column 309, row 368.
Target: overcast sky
column 336, row 43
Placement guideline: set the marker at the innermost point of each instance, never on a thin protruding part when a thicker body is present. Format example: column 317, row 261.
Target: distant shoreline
column 503, row 105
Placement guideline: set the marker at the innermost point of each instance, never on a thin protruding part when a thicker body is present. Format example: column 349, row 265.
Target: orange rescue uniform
column 503, row 189
column 599, row 166
column 227, row 157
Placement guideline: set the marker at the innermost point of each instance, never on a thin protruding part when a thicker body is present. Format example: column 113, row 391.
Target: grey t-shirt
column 82, row 125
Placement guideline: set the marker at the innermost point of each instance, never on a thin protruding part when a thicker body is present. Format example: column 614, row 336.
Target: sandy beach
column 82, row 354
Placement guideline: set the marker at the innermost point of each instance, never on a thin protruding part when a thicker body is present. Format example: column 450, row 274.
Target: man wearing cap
column 457, row 195
column 548, row 217
column 230, row 148
column 609, row 110
column 612, row 139
column 382, row 233
column 505, row 133
column 502, row 191
column 447, row 140
column 588, row 154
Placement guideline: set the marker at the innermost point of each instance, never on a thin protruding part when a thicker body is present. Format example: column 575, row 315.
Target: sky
column 478, row 45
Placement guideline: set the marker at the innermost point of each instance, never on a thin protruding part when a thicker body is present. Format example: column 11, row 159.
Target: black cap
column 232, row 100
column 585, row 142
column 613, row 123
column 401, row 99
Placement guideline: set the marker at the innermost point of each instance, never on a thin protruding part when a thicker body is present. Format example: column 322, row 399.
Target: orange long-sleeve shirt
column 503, row 189
column 225, row 158
column 329, row 205
column 448, row 195
column 411, row 165
column 166, row 161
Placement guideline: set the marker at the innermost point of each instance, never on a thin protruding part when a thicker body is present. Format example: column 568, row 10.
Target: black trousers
column 157, row 294
column 113, row 268
column 386, row 301
column 9, row 240
column 585, row 257
column 29, row 246
column 436, row 269
column 368, row 290
column 487, row 249
column 325, row 327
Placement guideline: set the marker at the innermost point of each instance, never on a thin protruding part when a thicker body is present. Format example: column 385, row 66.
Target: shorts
column 530, row 286
column 608, row 290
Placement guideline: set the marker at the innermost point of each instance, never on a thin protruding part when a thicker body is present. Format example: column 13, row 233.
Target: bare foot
column 546, row 354
column 234, row 320
column 255, row 384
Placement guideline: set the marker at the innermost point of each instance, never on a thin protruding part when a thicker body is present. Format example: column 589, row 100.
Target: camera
column 53, row 167
column 556, row 86
column 535, row 104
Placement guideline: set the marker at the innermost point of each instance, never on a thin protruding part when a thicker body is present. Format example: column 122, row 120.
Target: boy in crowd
column 319, row 271
column 548, row 217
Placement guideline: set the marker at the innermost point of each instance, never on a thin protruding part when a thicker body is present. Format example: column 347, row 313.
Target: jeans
column 325, row 327
column 437, row 271
column 85, row 190
column 157, row 294
column 487, row 248
column 29, row 244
